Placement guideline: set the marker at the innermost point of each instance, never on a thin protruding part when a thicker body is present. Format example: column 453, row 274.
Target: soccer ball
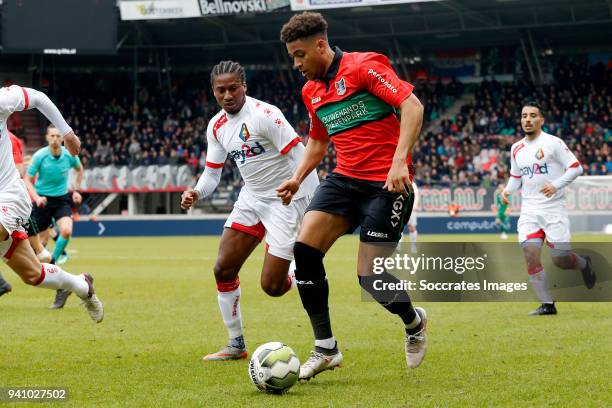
column 274, row 367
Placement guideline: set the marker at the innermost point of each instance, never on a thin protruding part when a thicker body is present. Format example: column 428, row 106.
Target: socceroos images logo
column 340, row 86
column 244, row 133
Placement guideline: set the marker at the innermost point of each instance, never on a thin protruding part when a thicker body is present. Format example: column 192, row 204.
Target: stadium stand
column 167, row 125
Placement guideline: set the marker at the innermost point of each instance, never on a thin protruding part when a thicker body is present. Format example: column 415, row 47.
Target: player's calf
column 566, row 259
column 21, row 258
column 532, row 252
column 313, row 287
column 395, row 301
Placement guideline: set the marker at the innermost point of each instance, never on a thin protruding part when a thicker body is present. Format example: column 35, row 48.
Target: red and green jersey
column 356, row 105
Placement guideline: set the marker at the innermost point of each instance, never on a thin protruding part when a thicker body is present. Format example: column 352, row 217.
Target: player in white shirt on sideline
column 266, row 150
column 541, row 165
column 15, row 204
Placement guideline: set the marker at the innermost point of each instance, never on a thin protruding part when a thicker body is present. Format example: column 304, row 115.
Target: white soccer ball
column 274, row 367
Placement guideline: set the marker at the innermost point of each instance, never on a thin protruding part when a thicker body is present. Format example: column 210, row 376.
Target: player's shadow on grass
column 301, row 389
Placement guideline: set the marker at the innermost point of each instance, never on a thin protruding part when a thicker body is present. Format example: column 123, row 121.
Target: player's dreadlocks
column 228, row 67
column 303, row 25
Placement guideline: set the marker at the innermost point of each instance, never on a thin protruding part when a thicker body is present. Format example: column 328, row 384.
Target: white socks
column 579, row 261
column 291, row 276
column 413, row 240
column 228, row 296
column 539, row 282
column 326, row 343
column 415, row 323
column 53, row 277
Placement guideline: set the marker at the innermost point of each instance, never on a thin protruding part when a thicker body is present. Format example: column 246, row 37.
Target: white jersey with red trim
column 12, row 98
column 258, row 138
column 538, row 162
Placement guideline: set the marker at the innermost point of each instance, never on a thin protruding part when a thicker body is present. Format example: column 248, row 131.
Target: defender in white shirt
column 266, row 150
column 15, row 204
column 541, row 165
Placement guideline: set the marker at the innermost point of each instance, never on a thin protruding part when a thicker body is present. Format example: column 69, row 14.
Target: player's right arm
column 315, row 152
column 29, row 176
column 209, row 180
column 17, row 98
column 515, row 180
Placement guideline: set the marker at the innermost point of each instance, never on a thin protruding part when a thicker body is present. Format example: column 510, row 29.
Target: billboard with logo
column 217, row 7
column 158, row 9
column 298, row 5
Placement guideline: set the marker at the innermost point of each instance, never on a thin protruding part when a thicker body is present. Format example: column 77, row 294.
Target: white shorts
column 554, row 226
column 15, row 209
column 413, row 219
column 279, row 223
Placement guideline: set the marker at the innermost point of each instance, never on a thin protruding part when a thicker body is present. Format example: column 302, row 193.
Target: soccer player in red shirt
column 357, row 101
column 17, row 153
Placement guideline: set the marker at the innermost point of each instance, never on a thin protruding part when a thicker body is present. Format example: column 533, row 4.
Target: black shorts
column 56, row 208
column 382, row 215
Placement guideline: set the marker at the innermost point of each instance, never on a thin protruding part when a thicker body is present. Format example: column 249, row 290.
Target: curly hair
column 303, row 25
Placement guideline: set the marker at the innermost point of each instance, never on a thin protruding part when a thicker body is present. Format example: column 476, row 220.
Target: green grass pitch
column 162, row 317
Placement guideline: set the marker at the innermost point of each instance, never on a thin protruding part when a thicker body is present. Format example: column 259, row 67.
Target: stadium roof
column 555, row 24
column 399, row 31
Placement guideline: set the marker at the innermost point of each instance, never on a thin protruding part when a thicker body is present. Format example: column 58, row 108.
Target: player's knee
column 308, row 261
column 66, row 233
column 562, row 261
column 224, row 273
column 557, row 261
column 274, row 289
column 532, row 262
column 31, row 279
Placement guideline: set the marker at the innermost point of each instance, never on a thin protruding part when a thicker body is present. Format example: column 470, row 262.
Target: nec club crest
column 539, row 154
column 341, row 87
column 244, row 133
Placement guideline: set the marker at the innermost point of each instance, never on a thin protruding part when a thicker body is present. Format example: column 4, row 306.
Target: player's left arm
column 572, row 169
column 379, row 78
column 410, row 127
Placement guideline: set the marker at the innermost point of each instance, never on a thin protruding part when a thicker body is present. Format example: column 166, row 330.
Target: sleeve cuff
column 290, row 145
column 26, row 99
column 405, row 94
column 215, row 165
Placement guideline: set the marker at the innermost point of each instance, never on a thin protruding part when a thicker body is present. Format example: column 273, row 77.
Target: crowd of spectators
column 473, row 147
column 164, row 122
